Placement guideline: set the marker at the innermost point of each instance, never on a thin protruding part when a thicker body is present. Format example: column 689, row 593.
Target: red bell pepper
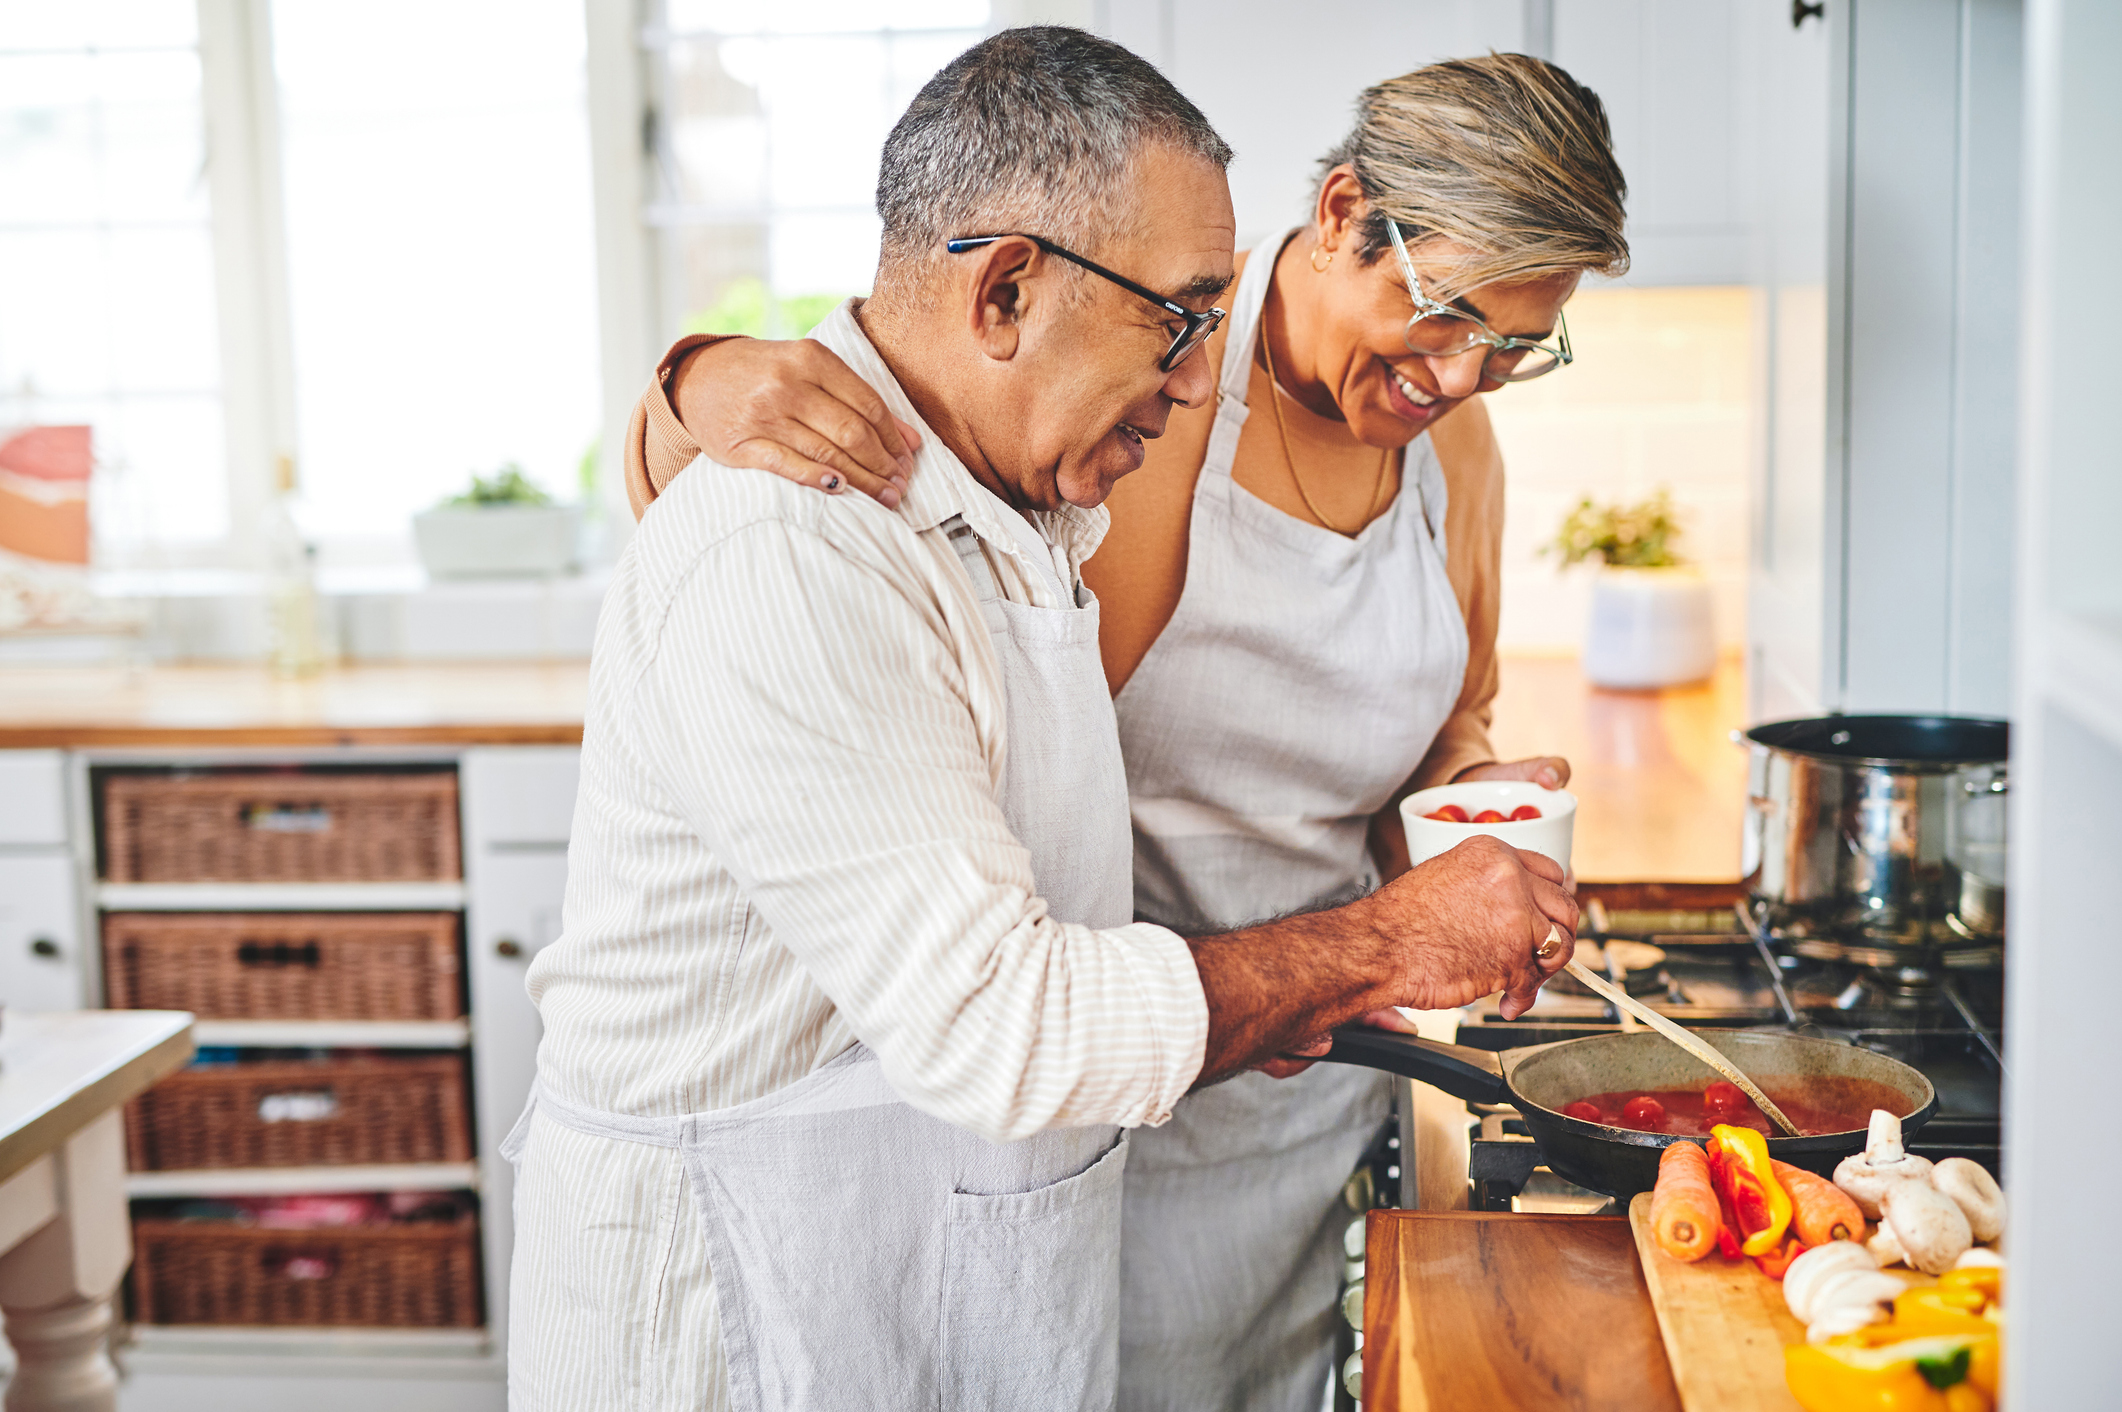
column 1757, row 1207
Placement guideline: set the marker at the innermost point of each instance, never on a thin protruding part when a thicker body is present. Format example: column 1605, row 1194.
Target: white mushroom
column 1975, row 1192
column 1811, row 1270
column 1980, row 1255
column 1927, row 1224
column 1883, row 1248
column 1866, row 1175
column 1850, row 1299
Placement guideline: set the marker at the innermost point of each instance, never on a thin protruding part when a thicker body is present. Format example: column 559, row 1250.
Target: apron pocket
column 1031, row 1293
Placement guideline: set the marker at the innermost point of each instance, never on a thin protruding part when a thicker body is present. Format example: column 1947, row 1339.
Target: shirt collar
column 941, row 486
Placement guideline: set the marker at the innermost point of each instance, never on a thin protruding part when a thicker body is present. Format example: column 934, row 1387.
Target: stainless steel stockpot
column 1850, row 819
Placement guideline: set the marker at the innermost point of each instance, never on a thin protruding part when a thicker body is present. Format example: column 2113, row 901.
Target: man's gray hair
column 1031, row 130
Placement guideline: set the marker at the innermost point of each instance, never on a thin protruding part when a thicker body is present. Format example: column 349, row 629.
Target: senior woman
column 1299, row 595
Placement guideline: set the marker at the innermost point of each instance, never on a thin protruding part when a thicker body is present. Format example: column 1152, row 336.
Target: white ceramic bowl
column 1549, row 834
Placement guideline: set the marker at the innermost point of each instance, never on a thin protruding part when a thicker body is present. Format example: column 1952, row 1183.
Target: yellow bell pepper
column 1986, row 1280
column 1985, row 1368
column 1941, row 1309
column 1757, row 1198
column 1910, row 1375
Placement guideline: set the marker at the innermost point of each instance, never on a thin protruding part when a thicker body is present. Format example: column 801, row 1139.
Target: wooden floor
column 1661, row 789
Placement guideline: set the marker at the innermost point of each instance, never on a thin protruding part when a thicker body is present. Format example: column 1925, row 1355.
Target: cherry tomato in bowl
column 1523, row 812
column 1450, row 814
column 1490, row 816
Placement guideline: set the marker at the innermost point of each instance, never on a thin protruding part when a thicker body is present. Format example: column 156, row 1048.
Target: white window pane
column 816, row 16
column 162, row 297
column 103, row 24
column 161, row 470
column 828, row 253
column 441, row 269
column 55, row 313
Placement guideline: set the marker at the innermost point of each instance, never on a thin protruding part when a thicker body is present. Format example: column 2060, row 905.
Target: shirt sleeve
column 813, row 718
column 657, row 444
column 1473, row 561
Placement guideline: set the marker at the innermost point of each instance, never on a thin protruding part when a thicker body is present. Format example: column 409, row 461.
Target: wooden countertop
column 1661, row 790
column 501, row 703
column 59, row 1071
column 1467, row 1309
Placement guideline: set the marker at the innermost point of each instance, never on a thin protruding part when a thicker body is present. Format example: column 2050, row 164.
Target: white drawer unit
column 42, row 965
column 32, row 798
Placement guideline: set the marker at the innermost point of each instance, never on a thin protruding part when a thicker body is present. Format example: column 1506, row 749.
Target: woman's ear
column 1339, row 207
column 996, row 297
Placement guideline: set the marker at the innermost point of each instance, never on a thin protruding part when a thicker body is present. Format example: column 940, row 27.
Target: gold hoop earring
column 1317, row 268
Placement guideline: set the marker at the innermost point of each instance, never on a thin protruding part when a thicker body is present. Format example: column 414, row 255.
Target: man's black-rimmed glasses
column 1198, row 326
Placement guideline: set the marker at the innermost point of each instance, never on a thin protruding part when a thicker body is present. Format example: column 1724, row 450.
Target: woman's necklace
column 1275, row 394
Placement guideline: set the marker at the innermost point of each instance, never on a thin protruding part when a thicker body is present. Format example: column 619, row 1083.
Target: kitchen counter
column 502, row 703
column 1661, row 789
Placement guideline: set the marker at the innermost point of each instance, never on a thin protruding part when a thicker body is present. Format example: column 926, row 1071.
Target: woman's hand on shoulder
column 794, row 408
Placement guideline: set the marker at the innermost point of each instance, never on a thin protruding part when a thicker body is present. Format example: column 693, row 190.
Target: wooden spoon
column 1599, row 985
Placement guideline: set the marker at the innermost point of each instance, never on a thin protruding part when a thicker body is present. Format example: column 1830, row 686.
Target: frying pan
column 1540, row 1080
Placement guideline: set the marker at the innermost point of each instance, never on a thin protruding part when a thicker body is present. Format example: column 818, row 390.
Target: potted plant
column 503, row 527
column 1651, row 623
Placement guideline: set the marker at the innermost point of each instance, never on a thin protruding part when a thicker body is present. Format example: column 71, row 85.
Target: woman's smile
column 1408, row 401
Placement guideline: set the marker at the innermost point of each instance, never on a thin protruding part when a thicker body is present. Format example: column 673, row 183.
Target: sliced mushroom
column 1927, row 1224
column 1850, row 1299
column 1866, row 1175
column 1975, row 1192
column 1979, row 1255
column 1810, row 1271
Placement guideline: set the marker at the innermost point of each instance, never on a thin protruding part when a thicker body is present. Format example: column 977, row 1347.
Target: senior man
column 849, row 1014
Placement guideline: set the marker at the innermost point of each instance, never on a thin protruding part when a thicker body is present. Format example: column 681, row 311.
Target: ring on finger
column 1549, row 949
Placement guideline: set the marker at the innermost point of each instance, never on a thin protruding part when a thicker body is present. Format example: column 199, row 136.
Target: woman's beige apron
column 868, row 1256
column 1299, row 683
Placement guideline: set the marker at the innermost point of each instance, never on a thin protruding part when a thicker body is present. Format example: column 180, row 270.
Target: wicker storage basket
column 290, row 827
column 278, row 1113
column 416, row 1276
column 285, row 966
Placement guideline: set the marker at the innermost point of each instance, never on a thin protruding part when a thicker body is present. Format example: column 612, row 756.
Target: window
column 440, row 250
column 107, row 295
column 768, row 121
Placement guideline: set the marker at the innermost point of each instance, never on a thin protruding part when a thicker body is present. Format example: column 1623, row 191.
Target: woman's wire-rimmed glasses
column 1198, row 326
column 1440, row 331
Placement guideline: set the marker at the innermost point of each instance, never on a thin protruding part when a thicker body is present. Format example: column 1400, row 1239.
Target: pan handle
column 1471, row 1074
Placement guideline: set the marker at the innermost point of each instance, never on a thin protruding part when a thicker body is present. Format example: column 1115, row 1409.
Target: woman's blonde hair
column 1506, row 155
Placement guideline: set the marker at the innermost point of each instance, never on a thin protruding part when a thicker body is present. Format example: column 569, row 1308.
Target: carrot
column 1683, row 1208
column 1821, row 1211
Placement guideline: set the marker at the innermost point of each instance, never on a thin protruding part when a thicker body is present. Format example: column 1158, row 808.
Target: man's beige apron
column 866, row 1255
column 1300, row 681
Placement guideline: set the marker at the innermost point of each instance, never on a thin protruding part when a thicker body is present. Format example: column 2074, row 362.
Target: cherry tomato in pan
column 1643, row 1113
column 1589, row 1112
column 1450, row 814
column 1524, row 812
column 1489, row 816
column 1723, row 1101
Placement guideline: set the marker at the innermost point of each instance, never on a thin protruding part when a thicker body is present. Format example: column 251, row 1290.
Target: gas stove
column 1717, row 967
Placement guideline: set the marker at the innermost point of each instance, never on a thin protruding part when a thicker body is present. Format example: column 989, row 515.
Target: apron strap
column 985, row 586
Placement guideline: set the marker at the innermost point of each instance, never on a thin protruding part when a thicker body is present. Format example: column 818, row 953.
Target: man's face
column 1088, row 388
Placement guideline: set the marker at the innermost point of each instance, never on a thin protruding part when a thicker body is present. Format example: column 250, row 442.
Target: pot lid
column 1919, row 741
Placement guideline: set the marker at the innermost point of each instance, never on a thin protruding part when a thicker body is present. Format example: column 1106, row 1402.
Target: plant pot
column 1649, row 628
column 497, row 541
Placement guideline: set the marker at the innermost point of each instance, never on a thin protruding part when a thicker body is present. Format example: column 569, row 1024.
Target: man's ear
column 996, row 297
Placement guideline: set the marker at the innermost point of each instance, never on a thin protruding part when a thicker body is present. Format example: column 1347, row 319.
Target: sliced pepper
column 1941, row 1309
column 1777, row 1262
column 1758, row 1200
column 1909, row 1375
column 1988, row 1280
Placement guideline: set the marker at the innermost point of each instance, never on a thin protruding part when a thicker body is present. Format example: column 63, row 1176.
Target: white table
column 65, row 1235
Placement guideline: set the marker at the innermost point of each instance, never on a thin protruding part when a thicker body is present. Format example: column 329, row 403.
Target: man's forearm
column 1273, row 987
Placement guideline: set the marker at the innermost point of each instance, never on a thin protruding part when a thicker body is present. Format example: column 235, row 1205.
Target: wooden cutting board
column 1724, row 1324
column 1493, row 1309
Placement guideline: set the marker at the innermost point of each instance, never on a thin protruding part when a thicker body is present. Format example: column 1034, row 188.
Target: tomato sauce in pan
column 1825, row 1105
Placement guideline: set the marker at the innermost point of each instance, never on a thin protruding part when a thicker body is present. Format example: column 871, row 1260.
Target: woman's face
column 1386, row 394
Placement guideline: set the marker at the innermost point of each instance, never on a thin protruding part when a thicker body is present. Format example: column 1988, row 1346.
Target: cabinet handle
column 508, row 948
column 1800, row 12
column 44, row 946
